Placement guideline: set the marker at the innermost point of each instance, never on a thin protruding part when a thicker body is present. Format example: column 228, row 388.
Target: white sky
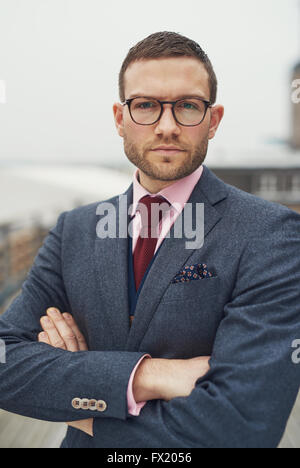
column 60, row 60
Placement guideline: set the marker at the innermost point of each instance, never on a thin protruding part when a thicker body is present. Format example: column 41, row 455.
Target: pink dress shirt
column 177, row 195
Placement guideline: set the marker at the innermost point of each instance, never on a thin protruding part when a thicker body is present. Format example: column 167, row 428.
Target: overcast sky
column 60, row 60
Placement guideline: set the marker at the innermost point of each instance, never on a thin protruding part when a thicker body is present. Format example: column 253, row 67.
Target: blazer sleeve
column 247, row 396
column 40, row 381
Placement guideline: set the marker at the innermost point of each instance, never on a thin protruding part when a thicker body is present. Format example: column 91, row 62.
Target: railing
column 19, row 245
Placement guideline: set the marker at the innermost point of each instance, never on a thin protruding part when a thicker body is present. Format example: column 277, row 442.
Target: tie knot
column 152, row 211
column 151, row 215
column 149, row 201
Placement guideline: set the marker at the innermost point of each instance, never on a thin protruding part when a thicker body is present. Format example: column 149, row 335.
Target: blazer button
column 84, row 404
column 93, row 405
column 76, row 403
column 101, row 405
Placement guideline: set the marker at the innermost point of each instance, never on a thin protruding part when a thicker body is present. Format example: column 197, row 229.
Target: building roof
column 44, row 191
column 297, row 67
column 269, row 157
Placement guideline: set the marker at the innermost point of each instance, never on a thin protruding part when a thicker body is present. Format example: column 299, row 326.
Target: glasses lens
column 145, row 111
column 190, row 111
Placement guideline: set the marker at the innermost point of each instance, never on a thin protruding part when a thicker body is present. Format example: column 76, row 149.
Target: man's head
column 166, row 66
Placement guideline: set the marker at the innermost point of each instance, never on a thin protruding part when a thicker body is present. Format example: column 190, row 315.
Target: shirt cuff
column 134, row 408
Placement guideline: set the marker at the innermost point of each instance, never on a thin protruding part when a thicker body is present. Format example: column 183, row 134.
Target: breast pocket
column 186, row 320
column 192, row 290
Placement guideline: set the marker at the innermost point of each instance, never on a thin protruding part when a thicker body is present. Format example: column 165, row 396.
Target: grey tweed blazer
column 246, row 316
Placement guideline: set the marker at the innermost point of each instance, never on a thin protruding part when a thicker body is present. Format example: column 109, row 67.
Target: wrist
column 145, row 385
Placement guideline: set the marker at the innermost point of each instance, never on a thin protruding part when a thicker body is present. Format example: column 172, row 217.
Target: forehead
column 167, row 78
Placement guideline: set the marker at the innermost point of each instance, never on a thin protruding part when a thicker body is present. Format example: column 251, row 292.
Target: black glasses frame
column 129, row 101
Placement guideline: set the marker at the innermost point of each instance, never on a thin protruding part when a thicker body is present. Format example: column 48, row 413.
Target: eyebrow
column 183, row 96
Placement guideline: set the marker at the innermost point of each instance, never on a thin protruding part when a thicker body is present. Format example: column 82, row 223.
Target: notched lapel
column 172, row 256
column 111, row 266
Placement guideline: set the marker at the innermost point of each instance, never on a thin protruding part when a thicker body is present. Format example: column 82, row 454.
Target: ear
column 118, row 110
column 217, row 113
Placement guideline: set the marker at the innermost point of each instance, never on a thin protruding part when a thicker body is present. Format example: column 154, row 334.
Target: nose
column 167, row 125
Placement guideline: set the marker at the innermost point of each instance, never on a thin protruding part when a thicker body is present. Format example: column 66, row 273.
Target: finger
column 63, row 329
column 54, row 337
column 79, row 336
column 44, row 338
column 85, row 425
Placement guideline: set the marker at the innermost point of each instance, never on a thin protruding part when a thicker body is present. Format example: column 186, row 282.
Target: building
column 272, row 173
column 295, row 137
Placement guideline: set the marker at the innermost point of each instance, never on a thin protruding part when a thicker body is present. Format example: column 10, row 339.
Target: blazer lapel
column 111, row 260
column 172, row 256
column 111, row 266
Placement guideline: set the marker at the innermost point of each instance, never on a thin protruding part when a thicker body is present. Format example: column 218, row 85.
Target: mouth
column 169, row 151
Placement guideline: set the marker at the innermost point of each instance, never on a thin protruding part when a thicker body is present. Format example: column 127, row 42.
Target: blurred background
column 59, row 65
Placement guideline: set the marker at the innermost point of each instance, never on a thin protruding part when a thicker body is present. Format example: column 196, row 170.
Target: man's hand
column 165, row 379
column 155, row 379
column 61, row 331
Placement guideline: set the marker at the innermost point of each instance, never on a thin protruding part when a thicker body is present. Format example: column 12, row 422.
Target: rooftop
column 273, row 157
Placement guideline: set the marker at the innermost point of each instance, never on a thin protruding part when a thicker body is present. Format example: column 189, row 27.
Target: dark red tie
column 145, row 247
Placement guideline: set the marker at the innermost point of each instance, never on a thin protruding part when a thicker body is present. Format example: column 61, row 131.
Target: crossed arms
column 245, row 398
column 155, row 379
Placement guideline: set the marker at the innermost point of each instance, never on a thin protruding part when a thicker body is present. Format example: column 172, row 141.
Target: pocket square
column 193, row 272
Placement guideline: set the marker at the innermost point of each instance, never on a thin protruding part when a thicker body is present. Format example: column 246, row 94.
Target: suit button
column 101, row 405
column 76, row 403
column 92, row 405
column 84, row 404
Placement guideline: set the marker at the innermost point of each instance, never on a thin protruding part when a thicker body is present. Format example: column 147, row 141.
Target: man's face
column 166, row 79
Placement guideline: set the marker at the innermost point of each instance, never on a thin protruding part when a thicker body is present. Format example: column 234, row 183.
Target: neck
column 153, row 185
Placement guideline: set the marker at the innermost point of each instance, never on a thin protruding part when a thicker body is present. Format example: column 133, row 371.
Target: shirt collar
column 176, row 194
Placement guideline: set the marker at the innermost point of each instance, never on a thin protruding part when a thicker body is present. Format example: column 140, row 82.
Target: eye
column 145, row 105
column 188, row 105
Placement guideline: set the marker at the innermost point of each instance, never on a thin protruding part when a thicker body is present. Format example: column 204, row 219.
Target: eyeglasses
column 187, row 112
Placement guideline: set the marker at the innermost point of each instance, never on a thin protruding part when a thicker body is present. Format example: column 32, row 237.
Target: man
column 162, row 345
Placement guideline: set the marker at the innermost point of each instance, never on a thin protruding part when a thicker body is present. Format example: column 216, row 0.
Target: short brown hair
column 168, row 44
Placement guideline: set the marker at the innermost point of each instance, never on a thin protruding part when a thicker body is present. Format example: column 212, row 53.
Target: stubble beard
column 193, row 160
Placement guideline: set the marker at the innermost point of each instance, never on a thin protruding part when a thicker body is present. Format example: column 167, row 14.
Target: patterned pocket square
column 193, row 272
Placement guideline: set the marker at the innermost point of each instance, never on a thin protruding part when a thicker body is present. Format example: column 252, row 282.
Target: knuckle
column 81, row 339
column 56, row 318
column 59, row 344
column 68, row 317
column 68, row 336
column 46, row 322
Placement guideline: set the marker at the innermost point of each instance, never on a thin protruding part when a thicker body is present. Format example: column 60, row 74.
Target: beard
column 193, row 160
